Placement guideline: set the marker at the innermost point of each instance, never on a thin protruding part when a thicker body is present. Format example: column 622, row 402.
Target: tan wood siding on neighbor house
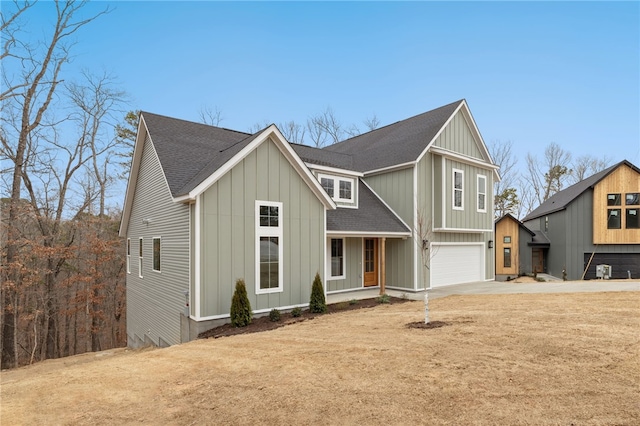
column 229, row 237
column 507, row 227
column 621, row 181
column 155, row 301
column 457, row 137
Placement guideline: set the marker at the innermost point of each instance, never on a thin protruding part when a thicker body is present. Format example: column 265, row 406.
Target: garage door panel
column 456, row 264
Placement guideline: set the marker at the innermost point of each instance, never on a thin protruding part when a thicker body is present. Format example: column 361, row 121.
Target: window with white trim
column 337, row 258
column 140, row 257
column 156, row 254
column 338, row 188
column 458, row 189
column 128, row 255
column 269, row 247
column 482, row 193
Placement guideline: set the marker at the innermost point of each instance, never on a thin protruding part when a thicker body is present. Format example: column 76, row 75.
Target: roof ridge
column 394, row 123
column 191, row 122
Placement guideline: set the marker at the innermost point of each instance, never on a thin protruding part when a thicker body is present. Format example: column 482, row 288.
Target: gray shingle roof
column 372, row 215
column 190, row 152
column 560, row 200
column 323, row 157
column 396, row 143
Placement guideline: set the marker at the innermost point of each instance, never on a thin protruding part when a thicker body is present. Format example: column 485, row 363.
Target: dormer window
column 339, row 188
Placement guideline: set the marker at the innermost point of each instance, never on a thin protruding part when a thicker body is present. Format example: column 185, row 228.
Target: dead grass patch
column 500, row 359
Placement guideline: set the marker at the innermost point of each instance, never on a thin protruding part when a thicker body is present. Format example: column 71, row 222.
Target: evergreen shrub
column 241, row 314
column 317, row 304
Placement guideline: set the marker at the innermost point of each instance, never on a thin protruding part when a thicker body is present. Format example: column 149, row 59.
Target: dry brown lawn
column 500, row 359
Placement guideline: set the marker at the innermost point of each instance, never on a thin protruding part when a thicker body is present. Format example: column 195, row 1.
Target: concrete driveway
column 496, row 287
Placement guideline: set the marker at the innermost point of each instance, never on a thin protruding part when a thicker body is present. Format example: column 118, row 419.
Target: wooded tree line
column 62, row 276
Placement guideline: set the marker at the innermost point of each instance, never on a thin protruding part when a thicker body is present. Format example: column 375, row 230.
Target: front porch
column 370, row 293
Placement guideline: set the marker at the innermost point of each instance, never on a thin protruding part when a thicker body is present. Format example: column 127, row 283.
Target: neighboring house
column 596, row 221
column 406, row 206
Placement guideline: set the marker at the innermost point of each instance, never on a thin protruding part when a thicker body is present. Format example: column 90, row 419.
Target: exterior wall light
column 490, row 243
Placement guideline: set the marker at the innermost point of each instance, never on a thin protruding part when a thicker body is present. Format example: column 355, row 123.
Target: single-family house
column 407, row 206
column 593, row 222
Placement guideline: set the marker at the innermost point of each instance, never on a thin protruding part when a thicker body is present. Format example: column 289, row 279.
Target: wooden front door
column 370, row 262
column 537, row 261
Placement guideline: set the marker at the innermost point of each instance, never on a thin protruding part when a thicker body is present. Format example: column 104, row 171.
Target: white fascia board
column 138, row 148
column 462, row 158
column 368, row 234
column 334, row 170
column 463, row 230
column 285, row 149
column 390, row 168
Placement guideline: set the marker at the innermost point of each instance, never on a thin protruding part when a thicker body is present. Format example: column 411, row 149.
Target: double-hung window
column 269, row 247
column 458, row 189
column 482, row 193
column 140, row 257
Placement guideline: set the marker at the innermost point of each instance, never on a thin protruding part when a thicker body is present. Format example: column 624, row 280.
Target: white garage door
column 456, row 264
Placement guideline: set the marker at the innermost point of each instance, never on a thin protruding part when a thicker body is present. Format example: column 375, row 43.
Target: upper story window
column 613, row 199
column 632, row 199
column 339, row 188
column 506, row 239
column 613, row 219
column 482, row 193
column 458, row 189
column 269, row 247
column 633, row 219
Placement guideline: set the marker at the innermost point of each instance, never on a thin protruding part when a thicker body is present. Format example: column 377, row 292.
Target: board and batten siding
column 353, row 265
column 457, row 137
column 155, row 301
column 228, row 242
column 469, row 217
column 396, row 189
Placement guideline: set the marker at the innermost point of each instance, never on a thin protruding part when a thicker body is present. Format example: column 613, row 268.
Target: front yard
column 498, row 359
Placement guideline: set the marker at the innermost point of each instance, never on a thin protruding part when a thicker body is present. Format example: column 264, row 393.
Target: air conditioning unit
column 603, row 272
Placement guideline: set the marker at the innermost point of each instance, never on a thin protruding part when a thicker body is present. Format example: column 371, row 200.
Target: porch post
column 383, row 264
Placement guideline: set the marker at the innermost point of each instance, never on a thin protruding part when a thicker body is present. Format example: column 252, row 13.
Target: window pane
column 128, row 247
column 337, row 258
column 156, row 254
column 481, row 202
column 269, row 262
column 457, row 200
column 264, row 210
column 507, row 257
column 327, row 184
column 632, row 199
column 345, row 190
column 140, row 247
column 613, row 199
column 633, row 221
column 458, row 180
column 507, row 239
column 613, row 221
column 269, row 216
column 481, row 185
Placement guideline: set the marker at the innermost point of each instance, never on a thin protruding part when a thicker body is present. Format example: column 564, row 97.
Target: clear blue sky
column 531, row 72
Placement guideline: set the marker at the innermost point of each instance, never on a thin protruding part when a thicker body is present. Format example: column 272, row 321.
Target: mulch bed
column 263, row 323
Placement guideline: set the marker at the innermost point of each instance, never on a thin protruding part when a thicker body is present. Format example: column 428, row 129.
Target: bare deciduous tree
column 586, row 165
column 211, row 116
column 505, row 198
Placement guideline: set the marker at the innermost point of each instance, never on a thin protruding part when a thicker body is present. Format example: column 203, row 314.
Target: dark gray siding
column 155, row 301
column 524, row 252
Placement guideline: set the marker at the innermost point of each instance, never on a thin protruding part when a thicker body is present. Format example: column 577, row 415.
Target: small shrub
column 296, row 312
column 564, row 275
column 241, row 314
column 353, row 302
column 274, row 315
column 383, row 298
column 317, row 304
column 541, row 280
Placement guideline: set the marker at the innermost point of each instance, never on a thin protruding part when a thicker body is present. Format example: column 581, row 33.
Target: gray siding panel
column 457, row 137
column 229, row 235
column 155, row 302
column 469, row 217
